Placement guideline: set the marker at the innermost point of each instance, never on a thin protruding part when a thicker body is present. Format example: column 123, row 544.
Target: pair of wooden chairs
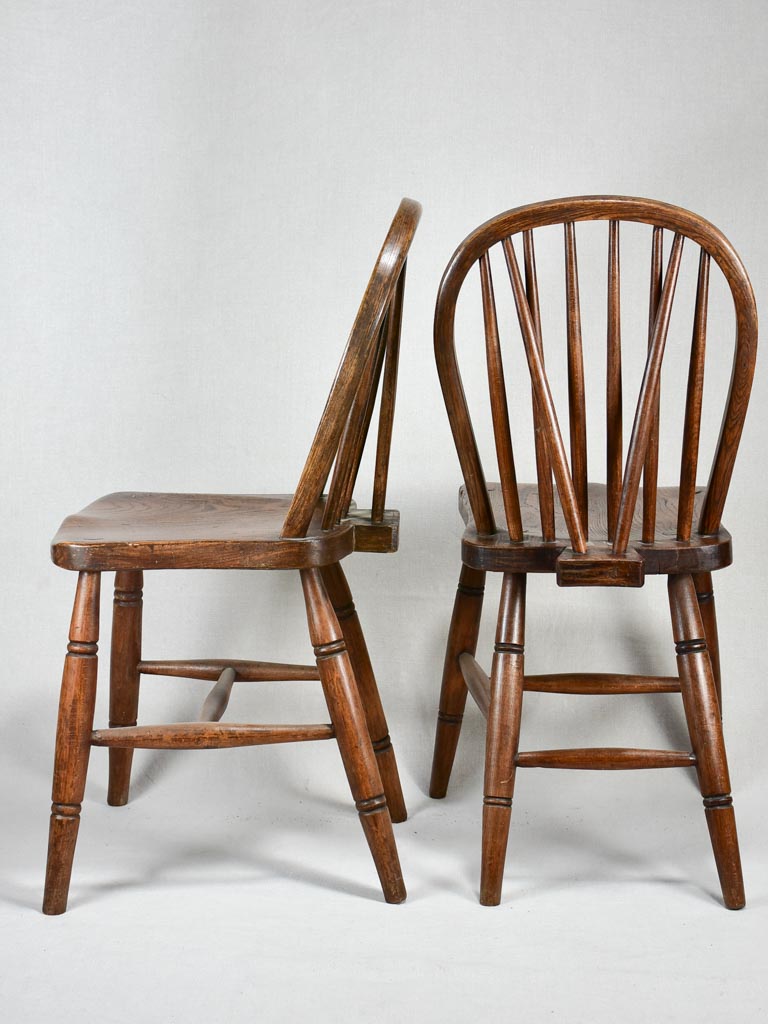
column 586, row 534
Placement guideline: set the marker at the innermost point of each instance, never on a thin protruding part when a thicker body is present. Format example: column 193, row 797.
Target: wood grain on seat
column 146, row 530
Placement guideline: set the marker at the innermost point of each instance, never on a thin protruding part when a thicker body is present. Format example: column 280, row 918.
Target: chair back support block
column 380, row 535
column 599, row 567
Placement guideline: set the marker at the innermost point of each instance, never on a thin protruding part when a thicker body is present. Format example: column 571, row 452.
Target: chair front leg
column 462, row 637
column 341, row 597
column 348, row 719
column 702, row 713
column 73, row 740
column 503, row 735
column 124, row 677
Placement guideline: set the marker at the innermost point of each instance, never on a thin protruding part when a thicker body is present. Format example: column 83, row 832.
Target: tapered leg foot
column 702, row 712
column 348, row 719
column 73, row 741
column 465, row 626
column 124, row 677
column 503, row 735
column 62, row 838
column 341, row 598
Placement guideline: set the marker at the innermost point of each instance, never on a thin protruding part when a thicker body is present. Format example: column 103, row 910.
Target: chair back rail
column 613, row 396
column 642, row 458
column 543, row 464
column 341, row 434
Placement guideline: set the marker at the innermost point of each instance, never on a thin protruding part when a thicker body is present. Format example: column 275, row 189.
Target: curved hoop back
column 642, row 456
column 343, row 428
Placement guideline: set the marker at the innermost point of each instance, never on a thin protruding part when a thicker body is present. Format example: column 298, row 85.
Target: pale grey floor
column 237, row 886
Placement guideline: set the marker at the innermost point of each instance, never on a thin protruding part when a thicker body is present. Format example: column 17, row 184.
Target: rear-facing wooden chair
column 128, row 533
column 591, row 534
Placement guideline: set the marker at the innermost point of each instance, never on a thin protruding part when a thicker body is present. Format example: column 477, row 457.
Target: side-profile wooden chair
column 588, row 534
column 129, row 533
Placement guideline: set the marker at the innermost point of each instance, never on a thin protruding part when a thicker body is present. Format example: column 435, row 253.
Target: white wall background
column 191, row 196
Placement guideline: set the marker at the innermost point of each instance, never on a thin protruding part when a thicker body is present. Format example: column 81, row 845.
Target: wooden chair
column 129, row 533
column 590, row 534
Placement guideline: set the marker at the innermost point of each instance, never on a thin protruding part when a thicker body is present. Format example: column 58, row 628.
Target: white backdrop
column 191, row 196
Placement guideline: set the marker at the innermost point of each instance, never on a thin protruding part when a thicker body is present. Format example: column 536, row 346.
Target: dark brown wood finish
column 245, row 671
column 690, row 455
column 124, row 676
column 504, row 713
column 705, row 595
column 592, row 534
column 366, row 330
column 546, row 406
column 499, row 410
column 341, row 598
column 73, row 740
column 543, row 465
column 129, row 533
column 646, row 415
column 577, row 407
column 462, row 638
column 348, row 717
column 651, row 465
column 702, row 712
column 613, row 402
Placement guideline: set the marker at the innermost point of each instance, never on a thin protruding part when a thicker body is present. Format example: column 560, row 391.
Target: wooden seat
column 129, row 533
column 589, row 533
column 534, row 554
column 135, row 530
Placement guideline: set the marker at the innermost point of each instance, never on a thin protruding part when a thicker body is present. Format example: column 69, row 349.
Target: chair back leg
column 124, row 677
column 462, row 638
column 341, row 598
column 705, row 595
column 702, row 712
column 351, row 729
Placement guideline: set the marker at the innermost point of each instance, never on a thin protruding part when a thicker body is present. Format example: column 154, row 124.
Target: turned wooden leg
column 702, row 713
column 503, row 735
column 73, row 740
column 348, row 719
column 341, row 598
column 705, row 595
column 465, row 626
column 124, row 677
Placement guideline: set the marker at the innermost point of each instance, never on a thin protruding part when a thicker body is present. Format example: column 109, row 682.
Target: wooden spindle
column 540, row 383
column 499, row 408
column 371, row 389
column 543, row 467
column 613, row 403
column 690, row 455
column 388, row 392
column 245, row 671
column 206, row 735
column 577, row 410
column 354, row 436
column 638, row 444
column 651, row 468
